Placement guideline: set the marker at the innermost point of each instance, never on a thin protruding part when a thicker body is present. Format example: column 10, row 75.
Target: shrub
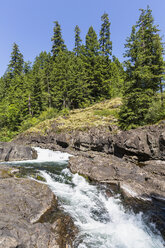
column 155, row 112
column 49, row 113
column 26, row 124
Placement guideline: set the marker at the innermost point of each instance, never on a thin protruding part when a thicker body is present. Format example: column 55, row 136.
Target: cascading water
column 102, row 221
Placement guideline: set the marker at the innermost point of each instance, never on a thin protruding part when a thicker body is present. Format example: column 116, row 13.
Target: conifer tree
column 58, row 42
column 116, row 77
column 92, row 45
column 59, row 81
column 16, row 64
column 96, row 79
column 90, row 62
column 78, row 41
column 41, row 71
column 144, row 60
column 105, row 43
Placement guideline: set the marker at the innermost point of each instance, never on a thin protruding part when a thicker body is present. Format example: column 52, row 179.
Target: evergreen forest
column 62, row 80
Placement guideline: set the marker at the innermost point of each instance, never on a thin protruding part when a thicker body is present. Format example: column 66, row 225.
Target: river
column 103, row 221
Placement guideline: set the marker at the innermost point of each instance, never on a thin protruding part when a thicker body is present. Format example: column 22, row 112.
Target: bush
column 49, row 113
column 64, row 112
column 155, row 112
column 30, row 122
column 7, row 135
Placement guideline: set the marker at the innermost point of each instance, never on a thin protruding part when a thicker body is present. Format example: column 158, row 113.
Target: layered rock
column 142, row 182
column 140, row 144
column 132, row 162
column 141, row 186
column 13, row 152
column 30, row 216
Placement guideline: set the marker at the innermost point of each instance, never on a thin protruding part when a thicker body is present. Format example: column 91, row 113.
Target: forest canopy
column 61, row 79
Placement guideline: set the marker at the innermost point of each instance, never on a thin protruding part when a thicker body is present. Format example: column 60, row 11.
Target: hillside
column 99, row 114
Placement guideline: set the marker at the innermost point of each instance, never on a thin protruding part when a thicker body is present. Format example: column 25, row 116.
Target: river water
column 103, row 221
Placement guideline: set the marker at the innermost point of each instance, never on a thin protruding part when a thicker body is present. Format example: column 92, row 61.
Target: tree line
column 63, row 79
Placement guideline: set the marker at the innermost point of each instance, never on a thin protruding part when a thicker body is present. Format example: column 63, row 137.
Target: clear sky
column 29, row 23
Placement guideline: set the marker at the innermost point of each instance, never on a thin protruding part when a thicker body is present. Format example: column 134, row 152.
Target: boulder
column 13, row 152
column 30, row 216
column 144, row 143
column 131, row 179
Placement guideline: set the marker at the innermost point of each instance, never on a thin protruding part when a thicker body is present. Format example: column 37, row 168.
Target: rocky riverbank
column 132, row 162
column 30, row 216
column 133, row 159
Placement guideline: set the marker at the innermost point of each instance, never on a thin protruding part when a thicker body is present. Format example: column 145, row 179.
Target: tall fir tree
column 78, row 41
column 105, row 42
column 16, row 63
column 58, row 42
column 96, row 79
column 143, row 74
column 92, row 45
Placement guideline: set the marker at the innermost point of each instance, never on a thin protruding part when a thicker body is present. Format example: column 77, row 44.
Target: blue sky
column 29, row 23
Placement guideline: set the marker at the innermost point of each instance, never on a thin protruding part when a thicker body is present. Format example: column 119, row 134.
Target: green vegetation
column 77, row 88
column 144, row 74
column 81, row 119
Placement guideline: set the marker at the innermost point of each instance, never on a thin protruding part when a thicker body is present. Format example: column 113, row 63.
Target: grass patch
column 100, row 114
column 106, row 112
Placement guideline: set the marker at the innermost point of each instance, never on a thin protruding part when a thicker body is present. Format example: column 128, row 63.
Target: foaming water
column 46, row 155
column 102, row 221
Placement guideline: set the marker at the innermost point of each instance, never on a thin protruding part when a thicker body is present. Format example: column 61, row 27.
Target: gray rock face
column 133, row 161
column 141, row 187
column 26, row 207
column 142, row 143
column 13, row 152
column 128, row 177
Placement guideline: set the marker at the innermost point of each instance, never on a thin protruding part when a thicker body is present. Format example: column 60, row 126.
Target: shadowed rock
column 30, row 216
column 13, row 152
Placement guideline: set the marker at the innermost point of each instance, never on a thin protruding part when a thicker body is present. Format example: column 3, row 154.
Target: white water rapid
column 103, row 222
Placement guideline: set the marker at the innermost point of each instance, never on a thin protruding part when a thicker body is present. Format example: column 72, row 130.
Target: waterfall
column 103, row 222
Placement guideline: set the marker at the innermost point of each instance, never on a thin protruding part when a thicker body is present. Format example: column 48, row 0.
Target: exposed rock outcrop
column 142, row 187
column 145, row 143
column 13, row 152
column 133, row 161
column 141, row 144
column 133, row 180
column 30, row 216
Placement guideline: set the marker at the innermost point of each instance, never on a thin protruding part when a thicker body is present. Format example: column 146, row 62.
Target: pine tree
column 27, row 67
column 90, row 62
column 36, row 97
column 41, row 73
column 14, row 97
column 59, row 80
column 78, row 41
column 105, row 43
column 143, row 74
column 69, row 89
column 92, row 45
column 78, row 91
column 58, row 42
column 116, row 78
column 96, row 67
column 16, row 64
